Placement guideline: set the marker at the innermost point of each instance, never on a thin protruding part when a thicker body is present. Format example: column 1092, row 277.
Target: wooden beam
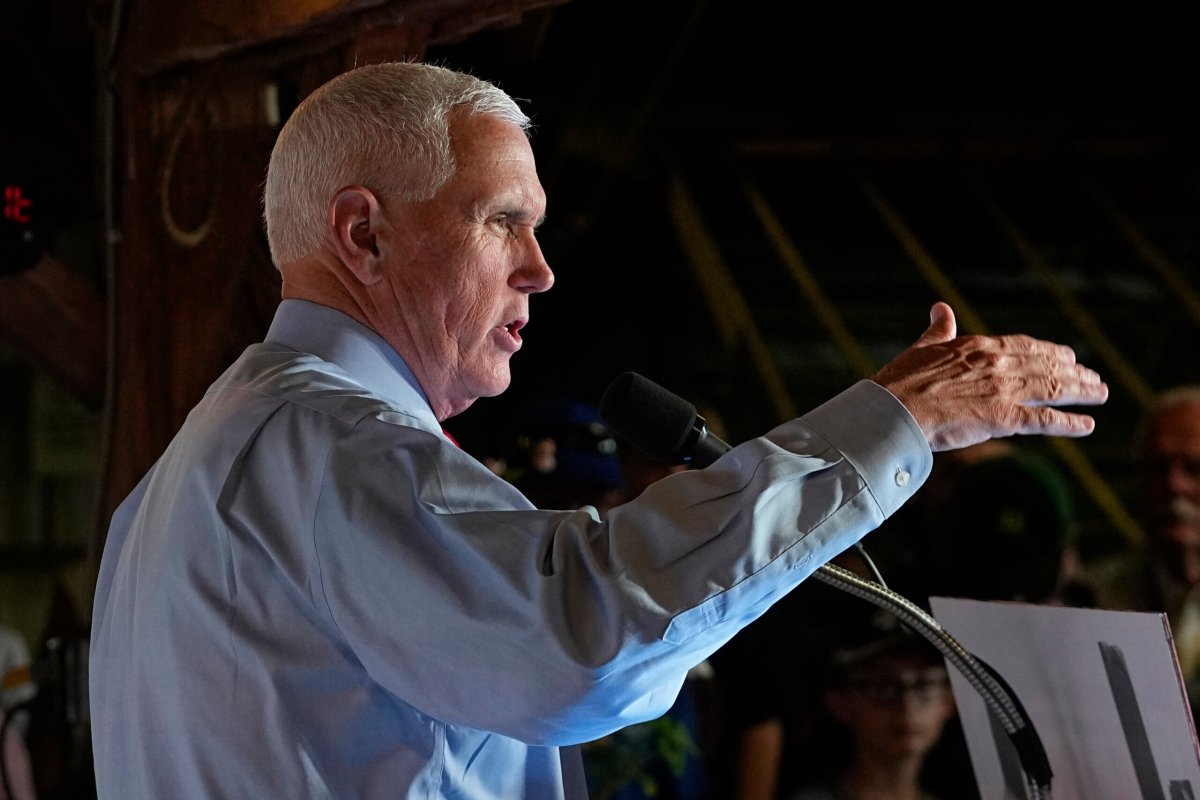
column 53, row 316
column 161, row 36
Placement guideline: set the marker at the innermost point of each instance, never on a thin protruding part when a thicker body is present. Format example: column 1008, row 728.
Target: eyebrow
column 523, row 216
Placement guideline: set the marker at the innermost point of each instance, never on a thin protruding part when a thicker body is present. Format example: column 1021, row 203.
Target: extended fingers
column 1050, row 422
column 1075, row 386
column 1044, row 373
column 970, row 388
column 1026, row 347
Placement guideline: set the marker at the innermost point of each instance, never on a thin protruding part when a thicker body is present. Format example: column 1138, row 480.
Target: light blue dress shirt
column 314, row 594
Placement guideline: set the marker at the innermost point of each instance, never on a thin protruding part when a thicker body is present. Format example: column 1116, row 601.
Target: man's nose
column 534, row 274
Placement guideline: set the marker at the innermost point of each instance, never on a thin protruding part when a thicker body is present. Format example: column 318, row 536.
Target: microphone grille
column 649, row 416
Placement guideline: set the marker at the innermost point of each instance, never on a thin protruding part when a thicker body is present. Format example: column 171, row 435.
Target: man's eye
column 505, row 221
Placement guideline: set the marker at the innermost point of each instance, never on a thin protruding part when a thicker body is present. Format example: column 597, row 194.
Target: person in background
column 315, row 593
column 17, row 691
column 1163, row 574
column 565, row 457
column 886, row 702
column 17, row 687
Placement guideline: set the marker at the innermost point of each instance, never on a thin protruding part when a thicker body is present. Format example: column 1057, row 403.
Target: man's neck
column 311, row 278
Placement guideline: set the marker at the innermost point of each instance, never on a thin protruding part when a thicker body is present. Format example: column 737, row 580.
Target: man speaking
column 314, row 593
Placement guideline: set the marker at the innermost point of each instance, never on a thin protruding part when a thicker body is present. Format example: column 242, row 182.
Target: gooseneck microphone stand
column 668, row 427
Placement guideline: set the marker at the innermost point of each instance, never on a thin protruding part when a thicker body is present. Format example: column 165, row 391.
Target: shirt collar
column 339, row 339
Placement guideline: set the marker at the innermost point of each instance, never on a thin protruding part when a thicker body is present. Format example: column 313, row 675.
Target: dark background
column 1037, row 111
column 799, row 99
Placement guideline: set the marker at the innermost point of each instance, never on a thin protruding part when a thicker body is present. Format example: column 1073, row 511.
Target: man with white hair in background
column 1164, row 574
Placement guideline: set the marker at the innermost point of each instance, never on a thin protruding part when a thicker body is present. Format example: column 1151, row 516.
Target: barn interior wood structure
column 753, row 202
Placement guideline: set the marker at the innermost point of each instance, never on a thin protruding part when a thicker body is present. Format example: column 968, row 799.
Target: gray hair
column 1169, row 400
column 383, row 126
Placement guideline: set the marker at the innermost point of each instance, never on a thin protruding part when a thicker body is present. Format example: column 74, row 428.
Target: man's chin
column 493, row 386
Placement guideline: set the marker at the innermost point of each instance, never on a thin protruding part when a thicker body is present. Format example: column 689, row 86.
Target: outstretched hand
column 965, row 390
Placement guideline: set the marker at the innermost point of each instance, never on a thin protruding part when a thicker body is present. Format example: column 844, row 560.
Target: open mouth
column 513, row 329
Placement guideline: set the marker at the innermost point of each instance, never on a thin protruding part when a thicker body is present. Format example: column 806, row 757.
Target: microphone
column 668, row 427
column 659, row 422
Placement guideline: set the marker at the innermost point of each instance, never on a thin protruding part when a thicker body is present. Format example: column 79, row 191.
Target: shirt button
column 902, row 477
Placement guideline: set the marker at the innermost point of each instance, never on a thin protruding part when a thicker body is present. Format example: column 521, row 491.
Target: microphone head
column 652, row 418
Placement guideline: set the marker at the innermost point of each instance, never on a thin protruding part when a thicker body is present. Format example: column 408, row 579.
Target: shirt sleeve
column 556, row 627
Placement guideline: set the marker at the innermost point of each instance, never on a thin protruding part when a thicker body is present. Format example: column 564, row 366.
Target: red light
column 15, row 205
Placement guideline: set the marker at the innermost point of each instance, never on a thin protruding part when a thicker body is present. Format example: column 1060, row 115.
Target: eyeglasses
column 1162, row 464
column 893, row 690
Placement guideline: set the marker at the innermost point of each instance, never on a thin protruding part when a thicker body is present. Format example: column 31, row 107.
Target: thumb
column 942, row 326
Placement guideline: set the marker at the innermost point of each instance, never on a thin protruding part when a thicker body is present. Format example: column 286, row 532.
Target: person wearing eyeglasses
column 886, row 703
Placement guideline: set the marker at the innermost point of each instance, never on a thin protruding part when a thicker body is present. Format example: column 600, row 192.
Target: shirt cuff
column 875, row 432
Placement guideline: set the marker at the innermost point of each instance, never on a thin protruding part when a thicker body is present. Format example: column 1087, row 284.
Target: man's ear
column 354, row 219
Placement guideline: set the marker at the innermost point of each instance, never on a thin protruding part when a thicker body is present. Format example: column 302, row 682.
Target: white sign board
column 1102, row 689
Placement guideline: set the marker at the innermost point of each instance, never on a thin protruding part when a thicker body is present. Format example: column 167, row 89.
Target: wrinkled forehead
column 479, row 139
column 495, row 170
